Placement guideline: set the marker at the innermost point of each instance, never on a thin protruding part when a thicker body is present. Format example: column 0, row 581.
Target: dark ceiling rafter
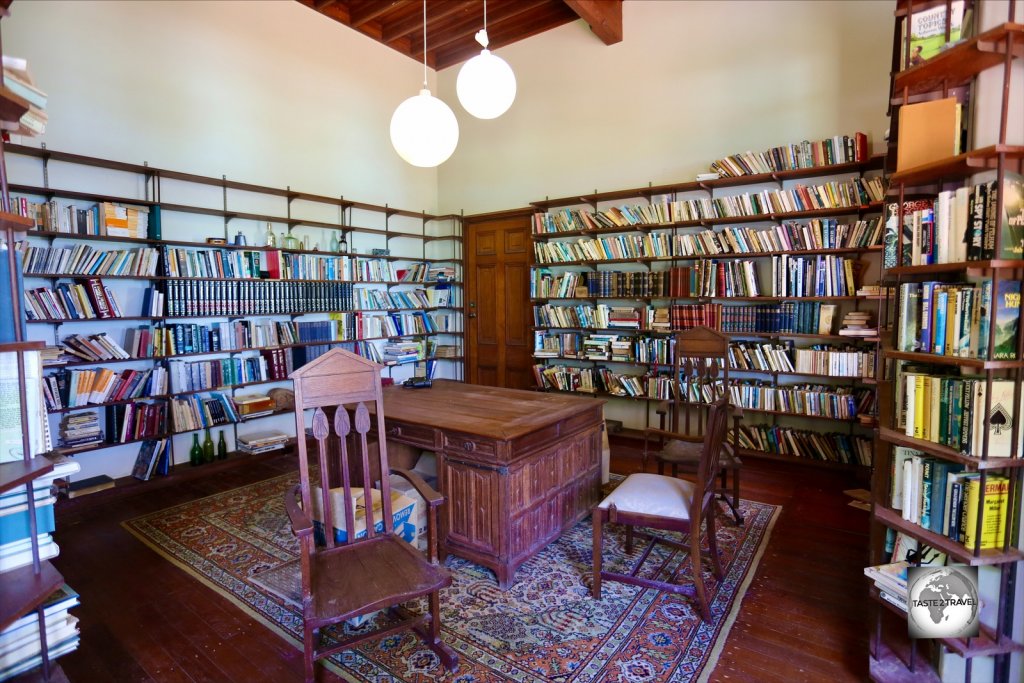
column 452, row 24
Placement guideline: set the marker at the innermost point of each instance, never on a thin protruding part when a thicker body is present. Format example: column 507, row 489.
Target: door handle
column 471, row 315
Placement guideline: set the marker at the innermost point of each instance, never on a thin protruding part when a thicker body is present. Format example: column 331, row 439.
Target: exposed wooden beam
column 321, row 5
column 501, row 35
column 460, row 29
column 414, row 23
column 368, row 11
column 604, row 17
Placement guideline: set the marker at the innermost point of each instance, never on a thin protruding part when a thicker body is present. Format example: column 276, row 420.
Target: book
column 1011, row 217
column 83, row 487
column 928, row 32
column 150, row 453
column 995, row 507
column 1007, row 321
column 928, row 132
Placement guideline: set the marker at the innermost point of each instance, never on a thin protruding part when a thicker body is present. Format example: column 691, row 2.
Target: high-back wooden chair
column 700, row 375
column 344, row 579
column 656, row 501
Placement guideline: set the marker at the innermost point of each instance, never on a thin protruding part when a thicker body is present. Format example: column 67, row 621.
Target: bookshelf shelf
column 946, row 453
column 943, row 544
column 9, row 347
column 960, row 64
column 12, row 105
column 159, row 278
column 19, row 472
column 14, row 222
column 51, row 192
column 23, row 588
column 797, row 460
column 961, row 165
column 954, row 360
column 888, row 667
column 997, row 264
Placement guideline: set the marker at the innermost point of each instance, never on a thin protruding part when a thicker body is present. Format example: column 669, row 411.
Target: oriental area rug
column 545, row 627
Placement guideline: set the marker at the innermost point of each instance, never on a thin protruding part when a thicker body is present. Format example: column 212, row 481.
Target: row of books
column 83, row 259
column 72, row 301
column 820, row 400
column 958, row 225
column 134, row 421
column 851, row 193
column 846, row 361
column 80, row 430
column 954, row 319
column 76, row 388
column 275, row 264
column 384, row 299
column 941, row 497
column 269, row 365
column 103, row 219
column 830, row 447
column 196, row 411
column 715, row 278
column 425, row 272
column 950, row 410
column 605, row 283
column 154, row 457
column 839, row 149
column 823, row 275
column 816, row 234
column 256, row 297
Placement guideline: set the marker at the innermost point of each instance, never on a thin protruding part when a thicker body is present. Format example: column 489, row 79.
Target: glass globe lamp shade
column 486, row 86
column 424, row 131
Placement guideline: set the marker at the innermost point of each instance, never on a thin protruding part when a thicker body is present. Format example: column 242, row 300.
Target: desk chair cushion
column 652, row 494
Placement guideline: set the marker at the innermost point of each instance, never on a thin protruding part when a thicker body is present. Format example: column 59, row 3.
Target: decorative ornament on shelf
column 424, row 131
column 271, row 239
column 486, row 85
column 343, row 244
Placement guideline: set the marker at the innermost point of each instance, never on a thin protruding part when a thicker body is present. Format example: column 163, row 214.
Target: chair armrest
column 693, row 438
column 432, row 497
column 301, row 524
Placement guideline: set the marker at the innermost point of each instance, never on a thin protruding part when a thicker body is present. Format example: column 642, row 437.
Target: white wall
column 265, row 92
column 691, row 82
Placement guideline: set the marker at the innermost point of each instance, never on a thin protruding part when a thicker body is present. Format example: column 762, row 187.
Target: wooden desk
column 518, row 467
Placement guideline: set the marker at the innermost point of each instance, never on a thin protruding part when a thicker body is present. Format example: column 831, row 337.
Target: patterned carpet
column 546, row 627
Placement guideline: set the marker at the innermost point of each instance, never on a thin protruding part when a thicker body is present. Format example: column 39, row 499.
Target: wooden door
column 499, row 342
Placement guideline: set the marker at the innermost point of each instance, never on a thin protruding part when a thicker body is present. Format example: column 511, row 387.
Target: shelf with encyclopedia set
column 229, row 304
column 950, row 450
column 769, row 267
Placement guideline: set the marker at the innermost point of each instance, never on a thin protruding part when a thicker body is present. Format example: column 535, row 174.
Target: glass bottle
column 208, row 447
column 195, row 456
column 335, row 245
column 222, row 447
column 343, row 245
column 271, row 238
column 291, row 241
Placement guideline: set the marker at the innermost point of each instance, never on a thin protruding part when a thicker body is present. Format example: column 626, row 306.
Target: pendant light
column 424, row 131
column 486, row 85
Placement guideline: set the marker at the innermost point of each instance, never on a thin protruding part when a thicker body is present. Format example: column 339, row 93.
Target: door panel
column 498, row 338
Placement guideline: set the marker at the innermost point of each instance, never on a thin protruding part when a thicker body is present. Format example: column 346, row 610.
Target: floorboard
column 143, row 619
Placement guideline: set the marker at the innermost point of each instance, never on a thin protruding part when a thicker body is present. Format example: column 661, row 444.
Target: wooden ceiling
column 452, row 24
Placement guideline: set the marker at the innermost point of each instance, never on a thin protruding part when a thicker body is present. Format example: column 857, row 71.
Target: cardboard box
column 403, row 514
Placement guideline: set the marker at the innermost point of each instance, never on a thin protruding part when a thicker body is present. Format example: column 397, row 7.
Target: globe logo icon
column 943, row 602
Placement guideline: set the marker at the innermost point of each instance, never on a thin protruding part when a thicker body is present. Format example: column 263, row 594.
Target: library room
column 668, row 341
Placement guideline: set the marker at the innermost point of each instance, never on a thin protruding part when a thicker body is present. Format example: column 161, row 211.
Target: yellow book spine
column 993, row 525
column 921, row 417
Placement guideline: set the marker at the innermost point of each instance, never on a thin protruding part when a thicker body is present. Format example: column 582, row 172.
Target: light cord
column 425, row 43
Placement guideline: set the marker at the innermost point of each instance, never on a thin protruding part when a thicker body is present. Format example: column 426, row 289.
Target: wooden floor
column 142, row 619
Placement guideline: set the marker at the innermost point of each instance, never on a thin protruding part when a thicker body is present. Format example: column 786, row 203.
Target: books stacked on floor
column 891, row 582
column 15, row 537
column 858, row 324
column 262, row 442
column 18, row 80
column 80, row 430
column 83, row 487
column 254, row 405
column 20, row 648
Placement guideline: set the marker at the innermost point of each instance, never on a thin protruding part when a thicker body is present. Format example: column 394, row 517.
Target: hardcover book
column 1007, row 305
column 1011, row 218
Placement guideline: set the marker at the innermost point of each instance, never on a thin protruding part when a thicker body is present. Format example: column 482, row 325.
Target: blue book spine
column 941, row 301
column 925, row 335
column 15, row 526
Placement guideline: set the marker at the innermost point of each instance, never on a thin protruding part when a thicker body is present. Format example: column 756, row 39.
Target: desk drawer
column 412, row 434
column 465, row 444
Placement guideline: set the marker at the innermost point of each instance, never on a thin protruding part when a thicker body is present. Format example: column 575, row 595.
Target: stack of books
column 20, row 649
column 15, row 539
column 396, row 353
column 18, row 80
column 80, row 430
column 858, row 324
column 891, row 581
column 254, row 405
column 262, row 442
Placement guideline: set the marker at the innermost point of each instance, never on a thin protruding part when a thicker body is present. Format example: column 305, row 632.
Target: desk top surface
column 493, row 412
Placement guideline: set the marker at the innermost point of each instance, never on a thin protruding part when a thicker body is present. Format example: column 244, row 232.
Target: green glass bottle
column 222, row 447
column 208, row 447
column 195, row 456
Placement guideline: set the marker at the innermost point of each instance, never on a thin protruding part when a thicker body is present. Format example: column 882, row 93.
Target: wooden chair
column 666, row 503
column 700, row 356
column 342, row 580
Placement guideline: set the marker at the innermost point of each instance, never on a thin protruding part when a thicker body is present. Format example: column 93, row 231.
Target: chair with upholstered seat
column 659, row 502
column 700, row 375
column 345, row 577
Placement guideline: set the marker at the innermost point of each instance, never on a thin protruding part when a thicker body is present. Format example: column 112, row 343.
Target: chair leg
column 629, row 540
column 598, row 521
column 675, row 471
column 698, row 577
column 661, row 467
column 734, row 504
column 309, row 653
column 716, row 563
column 432, row 636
